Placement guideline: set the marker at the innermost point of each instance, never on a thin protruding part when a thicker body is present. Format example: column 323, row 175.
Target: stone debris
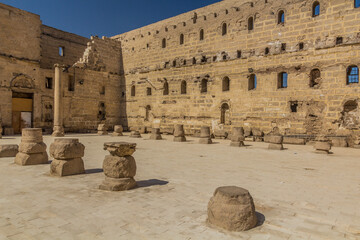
column 232, row 208
column 32, row 149
column 118, row 131
column 275, row 142
column 179, row 133
column 67, row 154
column 205, row 137
column 8, row 150
column 155, row 134
column 135, row 134
column 237, row 137
column 119, row 167
column 102, row 129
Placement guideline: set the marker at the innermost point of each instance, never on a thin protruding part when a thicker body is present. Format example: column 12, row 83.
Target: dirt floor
column 298, row 194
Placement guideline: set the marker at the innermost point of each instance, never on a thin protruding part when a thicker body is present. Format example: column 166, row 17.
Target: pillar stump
column 118, row 129
column 322, row 147
column 205, row 137
column 155, row 134
column 179, row 133
column 232, row 208
column 275, row 142
column 8, row 150
column 119, row 167
column 135, row 134
column 102, row 129
column 67, row 154
column 32, row 149
column 237, row 137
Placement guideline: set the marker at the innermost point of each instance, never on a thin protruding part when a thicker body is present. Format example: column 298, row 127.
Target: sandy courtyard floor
column 298, row 194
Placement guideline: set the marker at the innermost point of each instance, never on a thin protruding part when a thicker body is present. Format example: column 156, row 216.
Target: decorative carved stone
column 119, row 167
column 232, row 209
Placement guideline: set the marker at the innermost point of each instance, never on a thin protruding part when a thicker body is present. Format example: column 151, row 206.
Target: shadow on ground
column 95, row 170
column 260, row 218
column 151, row 182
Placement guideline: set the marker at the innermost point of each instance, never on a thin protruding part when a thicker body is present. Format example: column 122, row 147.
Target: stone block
column 322, row 147
column 66, row 148
column 220, row 134
column 180, row 139
column 117, row 184
column 274, row 146
column 237, row 144
column 339, row 142
column 118, row 129
column 295, row 141
column 120, row 149
column 135, row 134
column 32, row 135
column 27, row 147
column 68, row 167
column 275, row 139
column 155, row 134
column 205, row 141
column 119, row 167
column 232, row 208
column 31, row 159
column 8, row 150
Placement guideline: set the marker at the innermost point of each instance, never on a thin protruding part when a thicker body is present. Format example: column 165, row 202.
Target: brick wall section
column 148, row 65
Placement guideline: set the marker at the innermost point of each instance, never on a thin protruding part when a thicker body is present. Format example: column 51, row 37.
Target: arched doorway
column 225, row 114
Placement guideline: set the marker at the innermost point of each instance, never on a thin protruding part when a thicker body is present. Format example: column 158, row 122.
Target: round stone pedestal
column 155, row 134
column 232, row 208
column 179, row 133
column 237, row 137
column 205, row 137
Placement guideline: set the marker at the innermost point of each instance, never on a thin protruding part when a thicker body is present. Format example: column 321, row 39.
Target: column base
column 58, row 131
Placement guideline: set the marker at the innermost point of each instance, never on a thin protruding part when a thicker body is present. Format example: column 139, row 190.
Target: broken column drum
column 102, row 129
column 118, row 129
column 275, row 142
column 32, row 149
column 135, row 134
column 237, row 137
column 205, row 137
column 232, row 208
column 179, row 133
column 119, row 167
column 67, row 154
column 155, row 134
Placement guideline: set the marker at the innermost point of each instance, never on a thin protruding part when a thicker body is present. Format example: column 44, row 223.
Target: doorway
column 22, row 111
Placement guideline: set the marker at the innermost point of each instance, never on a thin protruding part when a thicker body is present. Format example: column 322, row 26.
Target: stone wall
column 328, row 42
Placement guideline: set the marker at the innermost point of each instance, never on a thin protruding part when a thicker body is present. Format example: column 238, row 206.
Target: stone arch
column 225, row 113
column 22, row 81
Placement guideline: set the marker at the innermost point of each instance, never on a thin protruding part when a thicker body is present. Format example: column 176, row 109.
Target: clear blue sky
column 105, row 17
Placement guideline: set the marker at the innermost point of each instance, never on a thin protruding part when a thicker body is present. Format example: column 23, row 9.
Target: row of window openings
column 71, row 85
column 281, row 20
column 315, row 75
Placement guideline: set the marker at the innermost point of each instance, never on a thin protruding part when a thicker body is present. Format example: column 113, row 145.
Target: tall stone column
column 58, row 130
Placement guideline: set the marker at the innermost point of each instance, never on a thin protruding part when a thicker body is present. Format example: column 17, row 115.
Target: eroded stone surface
column 8, row 150
column 64, row 168
column 135, row 134
column 120, row 149
column 32, row 135
column 119, row 167
column 27, row 147
column 66, row 148
column 232, row 208
column 31, row 159
column 117, row 184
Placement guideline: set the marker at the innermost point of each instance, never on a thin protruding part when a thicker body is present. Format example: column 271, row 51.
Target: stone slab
column 8, row 150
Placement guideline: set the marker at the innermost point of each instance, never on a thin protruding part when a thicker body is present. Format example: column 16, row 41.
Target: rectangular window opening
column 61, row 51
column 49, row 83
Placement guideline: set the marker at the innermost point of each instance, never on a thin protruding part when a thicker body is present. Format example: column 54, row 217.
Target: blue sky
column 105, row 17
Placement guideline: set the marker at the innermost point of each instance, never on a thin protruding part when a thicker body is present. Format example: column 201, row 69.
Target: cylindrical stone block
column 66, row 148
column 179, row 130
column 27, row 147
column 155, row 134
column 232, row 209
column 32, row 135
column 275, row 139
column 237, row 137
column 205, row 137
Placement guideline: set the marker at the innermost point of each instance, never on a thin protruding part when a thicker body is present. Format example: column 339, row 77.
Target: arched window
column 315, row 77
column 164, row 43
column 281, row 17
column 133, row 91
column 166, row 88
column 356, row 3
column 147, row 113
column 252, row 82
column 352, row 75
column 226, row 84
column 201, row 34
column 181, row 39
column 224, row 29
column 204, row 86
column 316, row 9
column 251, row 23
column 282, row 80
column 183, row 87
column 225, row 109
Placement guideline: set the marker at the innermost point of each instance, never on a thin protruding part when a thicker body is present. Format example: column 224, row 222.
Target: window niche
column 315, row 78
column 183, row 87
column 252, row 82
column 352, row 75
column 226, row 84
column 49, row 83
column 133, row 91
column 204, row 86
column 71, row 84
column 282, row 80
column 281, row 17
column 316, row 9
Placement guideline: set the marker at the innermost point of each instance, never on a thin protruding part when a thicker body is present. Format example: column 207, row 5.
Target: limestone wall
column 297, row 109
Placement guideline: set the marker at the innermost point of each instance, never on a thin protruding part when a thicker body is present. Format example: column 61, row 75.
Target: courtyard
column 298, row 194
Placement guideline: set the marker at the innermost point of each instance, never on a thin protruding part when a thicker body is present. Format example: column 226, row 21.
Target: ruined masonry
column 293, row 65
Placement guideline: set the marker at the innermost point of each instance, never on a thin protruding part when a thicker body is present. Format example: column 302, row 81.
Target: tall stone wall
column 328, row 42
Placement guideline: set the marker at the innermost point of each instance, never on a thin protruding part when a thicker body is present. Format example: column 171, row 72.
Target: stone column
column 58, row 130
column 205, row 137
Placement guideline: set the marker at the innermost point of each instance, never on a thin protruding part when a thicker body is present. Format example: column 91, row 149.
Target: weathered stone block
column 232, row 209
column 180, row 139
column 8, row 150
column 32, row 135
column 155, row 134
column 27, row 147
column 275, row 139
column 117, row 184
column 275, row 146
column 118, row 129
column 135, row 134
column 31, row 159
column 66, row 148
column 296, row 141
column 120, row 149
column 339, row 142
column 205, row 137
column 68, row 167
column 119, row 167
column 322, row 147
